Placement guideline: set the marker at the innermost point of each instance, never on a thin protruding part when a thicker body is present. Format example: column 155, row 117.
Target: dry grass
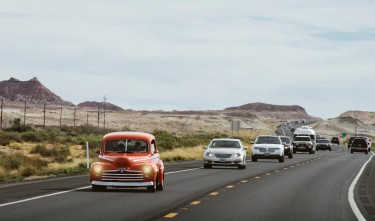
column 2, row 173
column 187, row 153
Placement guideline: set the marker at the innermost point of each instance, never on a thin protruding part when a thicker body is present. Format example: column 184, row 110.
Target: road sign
column 343, row 134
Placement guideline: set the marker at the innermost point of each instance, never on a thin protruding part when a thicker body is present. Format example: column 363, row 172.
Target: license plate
column 222, row 160
column 266, row 154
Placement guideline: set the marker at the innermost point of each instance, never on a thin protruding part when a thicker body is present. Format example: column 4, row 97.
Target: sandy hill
column 269, row 111
column 93, row 105
column 32, row 91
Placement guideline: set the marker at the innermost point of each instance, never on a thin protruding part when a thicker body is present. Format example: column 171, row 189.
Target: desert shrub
column 2, row 173
column 18, row 127
column 43, row 150
column 31, row 137
column 15, row 146
column 27, row 171
column 7, row 137
column 62, row 153
column 15, row 161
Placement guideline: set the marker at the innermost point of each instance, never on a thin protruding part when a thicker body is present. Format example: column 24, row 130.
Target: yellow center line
column 230, row 186
column 257, row 177
column 195, row 202
column 214, row 193
column 276, row 171
column 267, row 174
column 291, row 166
column 171, row 215
column 244, row 181
column 285, row 168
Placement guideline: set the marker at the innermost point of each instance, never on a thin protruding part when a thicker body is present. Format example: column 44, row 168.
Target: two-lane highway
column 308, row 187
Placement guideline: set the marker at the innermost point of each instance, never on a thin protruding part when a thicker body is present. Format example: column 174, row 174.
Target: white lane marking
column 68, row 191
column 180, row 171
column 352, row 203
column 43, row 196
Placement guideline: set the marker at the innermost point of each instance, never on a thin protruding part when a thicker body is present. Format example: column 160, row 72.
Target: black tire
column 160, row 186
column 351, row 151
column 290, row 155
column 207, row 166
column 97, row 188
column 330, row 149
column 254, row 159
column 366, row 152
column 294, row 151
column 281, row 159
column 152, row 189
column 311, row 151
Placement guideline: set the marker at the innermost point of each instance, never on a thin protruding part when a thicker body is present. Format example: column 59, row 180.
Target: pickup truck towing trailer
column 301, row 143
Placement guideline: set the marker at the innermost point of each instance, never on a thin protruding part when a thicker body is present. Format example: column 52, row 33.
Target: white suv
column 267, row 147
column 225, row 152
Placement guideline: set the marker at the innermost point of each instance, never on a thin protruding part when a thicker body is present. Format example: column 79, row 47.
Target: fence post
column 1, row 118
column 44, row 116
column 24, row 115
column 60, row 115
column 74, row 119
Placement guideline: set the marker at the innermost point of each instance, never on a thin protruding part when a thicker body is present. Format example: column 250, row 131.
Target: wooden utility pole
column 104, row 112
column 60, row 116
column 44, row 116
column 87, row 120
column 98, row 116
column 1, row 117
column 24, row 115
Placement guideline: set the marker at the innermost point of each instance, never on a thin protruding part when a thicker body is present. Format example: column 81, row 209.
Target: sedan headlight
column 236, row 155
column 209, row 154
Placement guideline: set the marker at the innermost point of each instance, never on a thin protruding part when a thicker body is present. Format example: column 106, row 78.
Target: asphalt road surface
column 307, row 187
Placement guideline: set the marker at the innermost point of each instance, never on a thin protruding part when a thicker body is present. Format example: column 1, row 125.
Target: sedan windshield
column 128, row 146
column 268, row 140
column 322, row 141
column 285, row 140
column 225, row 144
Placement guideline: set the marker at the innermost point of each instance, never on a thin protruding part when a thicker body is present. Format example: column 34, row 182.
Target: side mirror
column 204, row 148
column 156, row 151
column 284, row 143
column 252, row 142
column 97, row 152
column 245, row 148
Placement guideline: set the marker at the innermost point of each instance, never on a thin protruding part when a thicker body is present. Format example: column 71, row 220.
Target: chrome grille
column 271, row 150
column 122, row 175
column 262, row 149
column 223, row 155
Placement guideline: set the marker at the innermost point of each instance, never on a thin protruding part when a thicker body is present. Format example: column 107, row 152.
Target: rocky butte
column 34, row 92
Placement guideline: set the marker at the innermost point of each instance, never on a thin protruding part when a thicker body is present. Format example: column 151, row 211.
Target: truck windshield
column 302, row 139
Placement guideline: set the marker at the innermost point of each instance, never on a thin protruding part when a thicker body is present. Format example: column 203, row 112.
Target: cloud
column 194, row 54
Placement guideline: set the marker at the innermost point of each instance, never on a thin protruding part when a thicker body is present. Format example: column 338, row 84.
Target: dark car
column 359, row 145
column 350, row 141
column 335, row 140
column 323, row 144
column 288, row 146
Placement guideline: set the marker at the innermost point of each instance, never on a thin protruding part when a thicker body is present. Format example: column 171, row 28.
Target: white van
column 306, row 131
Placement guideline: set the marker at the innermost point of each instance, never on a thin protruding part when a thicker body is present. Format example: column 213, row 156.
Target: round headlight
column 97, row 169
column 209, row 154
column 147, row 169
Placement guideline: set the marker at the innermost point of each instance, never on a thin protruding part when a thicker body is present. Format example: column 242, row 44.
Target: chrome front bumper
column 123, row 184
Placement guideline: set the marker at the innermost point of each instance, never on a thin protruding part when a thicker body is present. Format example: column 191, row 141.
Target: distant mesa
column 262, row 107
column 95, row 105
column 32, row 91
column 262, row 110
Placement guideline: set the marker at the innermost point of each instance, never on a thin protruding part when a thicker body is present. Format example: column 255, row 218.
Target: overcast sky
column 194, row 54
